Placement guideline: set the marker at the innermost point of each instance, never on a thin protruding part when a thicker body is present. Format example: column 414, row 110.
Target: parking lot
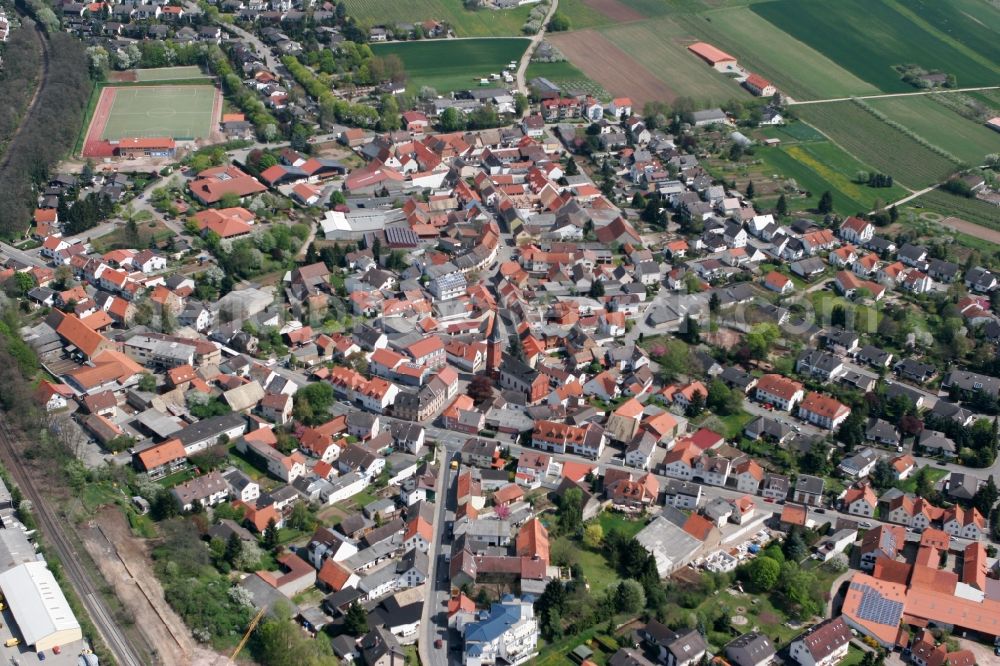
column 23, row 655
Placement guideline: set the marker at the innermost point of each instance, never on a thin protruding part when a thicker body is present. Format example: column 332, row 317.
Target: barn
column 715, row 57
column 39, row 607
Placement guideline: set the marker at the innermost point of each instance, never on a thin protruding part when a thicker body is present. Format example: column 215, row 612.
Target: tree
column 559, row 23
column 571, row 511
column 164, row 506
column 281, row 642
column 270, row 536
column 520, row 103
column 451, row 120
column 356, row 620
column 986, row 496
column 722, row 400
column 714, row 303
column 312, row 402
column 629, row 597
column 696, row 406
column 480, row 389
column 596, row 289
column 761, row 339
column 825, row 203
column 795, row 547
column 571, row 168
column 883, row 476
column 817, row 459
column 147, row 383
column 762, row 574
column 234, row 547
column 593, row 536
column 674, row 361
column 852, row 431
column 691, row 331
column 751, row 190
column 781, row 208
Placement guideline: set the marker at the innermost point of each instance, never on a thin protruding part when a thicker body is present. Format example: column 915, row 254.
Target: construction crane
column 253, row 625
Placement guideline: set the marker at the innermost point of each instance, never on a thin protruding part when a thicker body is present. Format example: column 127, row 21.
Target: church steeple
column 494, row 346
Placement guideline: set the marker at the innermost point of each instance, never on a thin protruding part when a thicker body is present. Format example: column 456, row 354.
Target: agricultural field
column 946, row 204
column 869, row 37
column 797, row 69
column 448, row 65
column 815, row 164
column 878, row 144
column 939, row 125
column 654, row 53
column 466, row 23
column 603, row 62
column 567, row 77
column 820, row 166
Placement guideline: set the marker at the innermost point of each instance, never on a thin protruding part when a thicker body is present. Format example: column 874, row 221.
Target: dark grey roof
column 810, row 484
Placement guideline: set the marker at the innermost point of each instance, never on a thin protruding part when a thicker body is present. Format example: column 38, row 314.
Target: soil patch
column 124, row 562
column 615, row 10
column 974, row 230
column 616, row 71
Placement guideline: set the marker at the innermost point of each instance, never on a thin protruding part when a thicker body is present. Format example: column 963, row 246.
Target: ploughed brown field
column 615, row 10
column 615, row 70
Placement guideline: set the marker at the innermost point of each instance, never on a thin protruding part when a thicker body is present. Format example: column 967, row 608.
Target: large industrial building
column 39, row 607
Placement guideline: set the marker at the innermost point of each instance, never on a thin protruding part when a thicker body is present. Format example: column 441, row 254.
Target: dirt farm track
column 605, row 63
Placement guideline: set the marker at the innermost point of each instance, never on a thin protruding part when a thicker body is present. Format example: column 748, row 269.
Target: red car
column 439, row 644
column 769, row 500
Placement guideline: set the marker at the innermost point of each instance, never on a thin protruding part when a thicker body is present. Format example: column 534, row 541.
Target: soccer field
column 180, row 112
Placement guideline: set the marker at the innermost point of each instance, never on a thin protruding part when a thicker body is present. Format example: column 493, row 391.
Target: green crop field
column 565, row 75
column 869, row 37
column 174, row 111
column 941, row 126
column 448, row 65
column 169, row 73
column 466, row 23
column 818, row 166
column 796, row 68
column 874, row 142
column 660, row 45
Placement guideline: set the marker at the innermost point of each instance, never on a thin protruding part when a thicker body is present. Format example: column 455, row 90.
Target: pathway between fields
column 884, row 95
column 522, row 86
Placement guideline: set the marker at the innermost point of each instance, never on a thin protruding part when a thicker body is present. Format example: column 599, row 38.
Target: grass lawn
column 874, row 142
column 177, row 478
column 935, row 474
column 448, row 65
column 169, row 73
column 96, row 495
column 142, row 526
column 855, row 656
column 153, row 231
column 728, row 426
column 595, row 568
column 616, row 521
column 154, row 111
column 866, row 317
column 869, row 37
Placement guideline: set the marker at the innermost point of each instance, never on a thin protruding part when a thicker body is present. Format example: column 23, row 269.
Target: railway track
column 106, row 625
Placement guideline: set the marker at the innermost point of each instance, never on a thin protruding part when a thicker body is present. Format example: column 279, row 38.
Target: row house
column 779, row 391
column 823, row 411
column 563, row 438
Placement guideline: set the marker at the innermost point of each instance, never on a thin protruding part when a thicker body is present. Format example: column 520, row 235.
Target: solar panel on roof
column 876, row 608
